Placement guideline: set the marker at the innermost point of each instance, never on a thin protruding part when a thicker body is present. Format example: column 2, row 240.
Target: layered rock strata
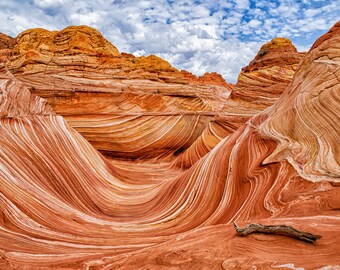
column 86, row 80
column 262, row 82
column 108, row 96
column 259, row 86
column 65, row 206
column 6, row 45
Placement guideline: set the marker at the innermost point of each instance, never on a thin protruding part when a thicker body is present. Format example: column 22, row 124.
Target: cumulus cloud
column 254, row 23
column 196, row 35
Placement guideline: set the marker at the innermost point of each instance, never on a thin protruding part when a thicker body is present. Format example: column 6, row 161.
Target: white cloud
column 254, row 23
column 198, row 36
column 312, row 24
column 242, row 4
column 91, row 18
column 49, row 3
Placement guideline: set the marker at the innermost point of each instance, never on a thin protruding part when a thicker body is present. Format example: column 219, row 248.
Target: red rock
column 6, row 45
column 16, row 100
column 262, row 82
column 259, row 85
column 207, row 78
column 6, row 42
column 307, row 129
column 65, row 206
column 86, row 80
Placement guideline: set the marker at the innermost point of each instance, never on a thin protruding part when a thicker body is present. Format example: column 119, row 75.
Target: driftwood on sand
column 276, row 229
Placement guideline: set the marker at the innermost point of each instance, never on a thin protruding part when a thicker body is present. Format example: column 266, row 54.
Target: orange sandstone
column 6, row 45
column 259, row 85
column 86, row 80
column 63, row 205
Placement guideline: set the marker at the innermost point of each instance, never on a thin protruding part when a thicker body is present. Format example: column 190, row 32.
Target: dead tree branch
column 276, row 229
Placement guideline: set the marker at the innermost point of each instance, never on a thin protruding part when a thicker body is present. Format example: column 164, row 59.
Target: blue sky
column 196, row 35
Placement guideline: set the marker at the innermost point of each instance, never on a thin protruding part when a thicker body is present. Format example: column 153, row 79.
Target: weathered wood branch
column 276, row 229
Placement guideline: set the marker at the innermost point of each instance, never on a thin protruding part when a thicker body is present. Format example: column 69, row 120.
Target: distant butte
column 111, row 161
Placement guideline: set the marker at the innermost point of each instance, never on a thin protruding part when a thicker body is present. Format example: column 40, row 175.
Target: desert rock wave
column 64, row 205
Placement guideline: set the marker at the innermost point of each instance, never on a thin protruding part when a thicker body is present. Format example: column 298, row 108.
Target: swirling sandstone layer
column 16, row 100
column 86, row 80
column 65, row 206
column 147, row 89
column 306, row 121
column 259, row 86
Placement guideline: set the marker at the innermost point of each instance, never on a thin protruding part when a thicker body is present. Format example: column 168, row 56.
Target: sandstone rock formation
column 86, row 80
column 63, row 205
column 262, row 82
column 81, row 59
column 259, row 86
column 6, row 45
column 112, row 98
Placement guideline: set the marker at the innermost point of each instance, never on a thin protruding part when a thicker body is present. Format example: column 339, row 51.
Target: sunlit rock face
column 6, row 45
column 82, row 61
column 259, row 86
column 308, row 128
column 262, row 82
column 114, row 100
column 63, row 205
column 16, row 100
column 120, row 103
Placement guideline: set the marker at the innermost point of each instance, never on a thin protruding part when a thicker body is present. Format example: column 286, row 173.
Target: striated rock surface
column 259, row 86
column 6, row 45
column 120, row 103
column 82, row 60
column 63, row 205
column 16, row 100
column 262, row 82
column 86, row 80
column 306, row 121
